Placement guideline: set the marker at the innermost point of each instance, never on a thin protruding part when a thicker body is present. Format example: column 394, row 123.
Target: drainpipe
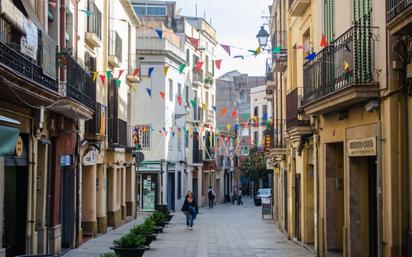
column 32, row 184
column 379, row 185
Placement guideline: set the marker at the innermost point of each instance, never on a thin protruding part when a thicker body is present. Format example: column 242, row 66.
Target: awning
column 9, row 132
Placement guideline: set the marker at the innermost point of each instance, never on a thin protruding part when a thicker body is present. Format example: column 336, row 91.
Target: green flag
column 108, row 75
column 277, row 50
column 118, row 82
column 182, row 68
column 194, row 103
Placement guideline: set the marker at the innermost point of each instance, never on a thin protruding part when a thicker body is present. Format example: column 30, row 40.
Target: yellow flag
column 166, row 69
column 228, row 126
column 258, row 51
column 94, row 76
column 191, row 130
column 204, row 106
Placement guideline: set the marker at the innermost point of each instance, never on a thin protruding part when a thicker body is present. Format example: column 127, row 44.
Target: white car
column 262, row 193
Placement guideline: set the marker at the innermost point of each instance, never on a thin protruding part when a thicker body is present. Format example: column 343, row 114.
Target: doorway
column 67, row 206
column 149, row 192
column 334, row 198
column 195, row 188
column 171, row 191
column 363, row 207
column 297, row 207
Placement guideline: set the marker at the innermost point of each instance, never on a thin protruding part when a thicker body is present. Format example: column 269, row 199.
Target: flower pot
column 149, row 239
column 158, row 230
column 130, row 252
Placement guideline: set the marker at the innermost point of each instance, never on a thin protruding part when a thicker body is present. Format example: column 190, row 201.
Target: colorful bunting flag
column 118, row 83
column 323, row 41
column 120, row 73
column 277, row 50
column 245, row 116
column 204, row 106
column 149, row 91
column 150, row 71
column 214, row 108
column 218, row 64
column 94, row 76
column 179, row 100
column 345, row 65
column 311, row 56
column 199, row 66
column 103, row 78
column 182, row 68
column 166, row 69
column 234, row 113
column 159, row 33
column 135, row 72
column 162, row 95
column 226, row 48
column 228, row 126
column 223, row 111
column 194, row 42
column 108, row 74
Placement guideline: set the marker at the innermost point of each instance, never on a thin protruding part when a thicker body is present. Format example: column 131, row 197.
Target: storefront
column 148, row 175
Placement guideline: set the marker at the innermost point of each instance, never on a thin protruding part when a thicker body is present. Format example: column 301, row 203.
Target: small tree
column 255, row 165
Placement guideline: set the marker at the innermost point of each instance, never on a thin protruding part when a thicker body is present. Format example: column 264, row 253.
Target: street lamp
column 262, row 37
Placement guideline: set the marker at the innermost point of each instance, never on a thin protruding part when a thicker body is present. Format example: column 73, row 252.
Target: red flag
column 323, row 42
column 120, row 73
column 234, row 113
column 199, row 66
column 162, row 95
column 194, row 42
column 218, row 64
column 223, row 111
column 191, row 136
column 179, row 100
column 226, row 48
column 103, row 78
column 135, row 72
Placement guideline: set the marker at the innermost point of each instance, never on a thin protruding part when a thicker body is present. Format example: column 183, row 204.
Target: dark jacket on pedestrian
column 186, row 204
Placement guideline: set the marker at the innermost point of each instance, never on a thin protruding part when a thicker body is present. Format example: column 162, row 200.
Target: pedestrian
column 211, row 196
column 190, row 210
column 234, row 196
column 239, row 197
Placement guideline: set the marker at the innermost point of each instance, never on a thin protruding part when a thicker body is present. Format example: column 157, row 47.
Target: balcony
column 329, row 86
column 197, row 115
column 210, row 116
column 95, row 128
column 135, row 63
column 197, row 156
column 293, row 111
column 396, row 7
column 280, row 60
column 16, row 63
column 298, row 7
column 209, row 79
column 117, row 133
column 115, row 49
column 149, row 45
column 93, row 34
column 198, row 77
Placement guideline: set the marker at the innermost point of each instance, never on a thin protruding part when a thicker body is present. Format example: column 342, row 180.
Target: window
column 179, row 185
column 143, row 133
column 188, row 57
column 179, row 89
column 150, row 10
column 94, row 22
column 187, row 94
column 256, row 112
column 207, row 100
column 242, row 95
column 170, row 90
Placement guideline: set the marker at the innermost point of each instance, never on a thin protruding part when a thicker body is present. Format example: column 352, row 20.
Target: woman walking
column 190, row 209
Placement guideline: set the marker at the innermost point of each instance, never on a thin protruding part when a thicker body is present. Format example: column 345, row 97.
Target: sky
column 236, row 23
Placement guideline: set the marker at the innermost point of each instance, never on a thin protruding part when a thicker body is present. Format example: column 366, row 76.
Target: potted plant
column 146, row 230
column 159, row 218
column 130, row 245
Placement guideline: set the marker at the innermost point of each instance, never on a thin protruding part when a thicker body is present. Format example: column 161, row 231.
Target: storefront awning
column 9, row 132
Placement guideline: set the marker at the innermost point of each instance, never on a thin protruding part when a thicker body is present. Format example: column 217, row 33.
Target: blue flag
column 149, row 91
column 159, row 33
column 150, row 71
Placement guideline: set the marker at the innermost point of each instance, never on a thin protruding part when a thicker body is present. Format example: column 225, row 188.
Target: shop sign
column 65, row 160
column 19, row 147
column 29, row 43
column 90, row 158
column 362, row 147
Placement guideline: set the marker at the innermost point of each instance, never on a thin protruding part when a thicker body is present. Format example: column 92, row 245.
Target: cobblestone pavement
column 224, row 231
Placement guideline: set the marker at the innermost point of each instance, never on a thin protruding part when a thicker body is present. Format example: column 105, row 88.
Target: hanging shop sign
column 29, row 43
column 362, row 147
column 66, row 160
column 90, row 158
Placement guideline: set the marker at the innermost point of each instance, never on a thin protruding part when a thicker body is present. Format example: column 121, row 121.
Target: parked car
column 262, row 193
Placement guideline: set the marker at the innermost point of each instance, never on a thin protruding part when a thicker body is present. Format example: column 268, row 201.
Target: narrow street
column 226, row 230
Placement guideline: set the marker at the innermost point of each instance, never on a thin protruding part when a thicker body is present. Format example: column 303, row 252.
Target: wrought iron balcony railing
column 12, row 59
column 292, row 110
column 79, row 86
column 395, row 7
column 349, row 60
column 117, row 132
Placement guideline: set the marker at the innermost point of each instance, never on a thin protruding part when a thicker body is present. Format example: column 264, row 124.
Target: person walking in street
column 211, row 196
column 190, row 209
column 234, row 196
column 239, row 197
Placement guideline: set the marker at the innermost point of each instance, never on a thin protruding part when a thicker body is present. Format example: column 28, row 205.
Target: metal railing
column 349, row 60
column 94, row 125
column 13, row 59
column 292, row 110
column 197, row 156
column 94, row 21
column 395, row 7
column 80, row 85
column 115, row 45
column 117, row 132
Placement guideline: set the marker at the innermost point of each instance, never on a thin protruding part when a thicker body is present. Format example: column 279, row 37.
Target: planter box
column 130, row 252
